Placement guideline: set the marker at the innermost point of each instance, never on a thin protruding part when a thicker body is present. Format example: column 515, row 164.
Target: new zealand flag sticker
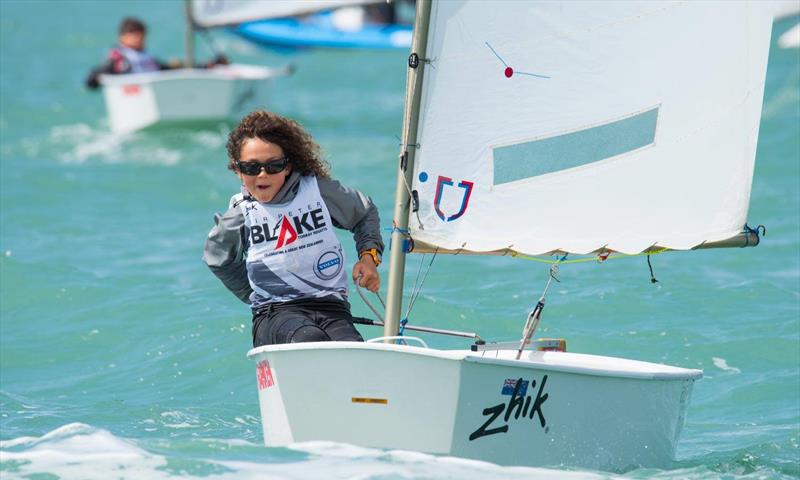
column 510, row 384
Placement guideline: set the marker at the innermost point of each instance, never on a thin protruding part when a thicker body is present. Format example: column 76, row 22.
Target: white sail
column 784, row 8
column 577, row 126
column 215, row 13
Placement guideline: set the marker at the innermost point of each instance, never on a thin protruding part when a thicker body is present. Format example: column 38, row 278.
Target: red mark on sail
column 509, row 72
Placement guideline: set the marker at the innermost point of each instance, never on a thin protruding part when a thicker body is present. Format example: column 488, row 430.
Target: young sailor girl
column 276, row 248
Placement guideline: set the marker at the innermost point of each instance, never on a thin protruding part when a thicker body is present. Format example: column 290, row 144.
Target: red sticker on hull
column 264, row 375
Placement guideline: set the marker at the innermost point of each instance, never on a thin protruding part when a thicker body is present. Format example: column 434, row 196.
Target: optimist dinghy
column 138, row 100
column 523, row 119
column 321, row 31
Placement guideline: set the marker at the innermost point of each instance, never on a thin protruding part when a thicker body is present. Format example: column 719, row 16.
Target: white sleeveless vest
column 140, row 62
column 292, row 249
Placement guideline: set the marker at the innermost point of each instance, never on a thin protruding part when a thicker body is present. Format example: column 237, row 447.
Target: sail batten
column 577, row 126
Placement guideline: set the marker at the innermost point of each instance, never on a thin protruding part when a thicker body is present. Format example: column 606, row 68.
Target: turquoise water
column 121, row 356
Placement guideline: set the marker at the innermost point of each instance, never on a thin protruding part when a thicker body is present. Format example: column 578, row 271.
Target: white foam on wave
column 85, row 142
column 210, row 140
column 335, row 449
column 179, row 420
column 722, row 364
column 80, row 451
column 230, row 442
column 410, row 464
column 79, row 143
column 781, row 99
column 17, row 442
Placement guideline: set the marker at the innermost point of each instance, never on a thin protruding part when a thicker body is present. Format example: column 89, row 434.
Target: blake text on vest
column 287, row 229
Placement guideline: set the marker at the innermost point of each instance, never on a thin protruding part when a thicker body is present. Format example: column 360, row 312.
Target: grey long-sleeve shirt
column 350, row 209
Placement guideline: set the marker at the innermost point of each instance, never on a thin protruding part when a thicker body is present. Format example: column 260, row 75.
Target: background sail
column 575, row 126
column 214, row 13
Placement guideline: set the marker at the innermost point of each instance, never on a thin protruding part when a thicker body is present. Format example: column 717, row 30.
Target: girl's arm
column 224, row 253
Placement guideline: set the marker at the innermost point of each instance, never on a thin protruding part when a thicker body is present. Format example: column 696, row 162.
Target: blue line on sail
column 532, row 74
column 553, row 154
column 495, row 53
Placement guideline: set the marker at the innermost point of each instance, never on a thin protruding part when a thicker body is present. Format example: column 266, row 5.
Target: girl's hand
column 365, row 274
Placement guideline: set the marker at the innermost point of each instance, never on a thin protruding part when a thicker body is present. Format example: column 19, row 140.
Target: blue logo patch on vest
column 328, row 265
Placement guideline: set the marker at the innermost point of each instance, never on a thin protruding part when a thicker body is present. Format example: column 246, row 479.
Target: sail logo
column 328, row 265
column 286, row 230
column 442, row 184
column 520, row 406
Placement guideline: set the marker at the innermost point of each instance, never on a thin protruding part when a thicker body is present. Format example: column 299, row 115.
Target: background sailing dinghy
column 138, row 100
column 322, row 31
column 553, row 128
column 297, row 24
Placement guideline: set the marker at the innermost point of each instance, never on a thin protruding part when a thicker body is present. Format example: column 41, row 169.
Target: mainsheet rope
column 364, row 299
column 415, row 291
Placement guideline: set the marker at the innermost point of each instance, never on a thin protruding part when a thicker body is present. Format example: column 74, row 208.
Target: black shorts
column 307, row 320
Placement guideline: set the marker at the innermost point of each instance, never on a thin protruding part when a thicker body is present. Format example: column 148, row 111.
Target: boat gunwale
column 668, row 373
column 227, row 72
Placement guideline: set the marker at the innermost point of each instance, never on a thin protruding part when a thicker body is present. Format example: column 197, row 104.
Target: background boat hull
column 137, row 101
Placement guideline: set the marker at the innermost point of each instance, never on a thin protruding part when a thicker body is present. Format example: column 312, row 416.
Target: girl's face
column 261, row 184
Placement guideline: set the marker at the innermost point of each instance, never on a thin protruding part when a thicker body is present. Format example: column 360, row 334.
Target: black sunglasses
column 254, row 168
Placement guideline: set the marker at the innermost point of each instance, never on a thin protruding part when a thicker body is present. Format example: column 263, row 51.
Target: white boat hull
column 136, row 101
column 579, row 410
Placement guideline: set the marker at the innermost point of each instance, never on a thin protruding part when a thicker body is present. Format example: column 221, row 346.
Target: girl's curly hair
column 302, row 151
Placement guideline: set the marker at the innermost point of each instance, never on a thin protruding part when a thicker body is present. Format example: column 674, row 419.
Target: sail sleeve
column 579, row 126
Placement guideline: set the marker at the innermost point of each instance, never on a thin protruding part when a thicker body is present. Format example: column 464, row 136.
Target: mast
column 189, row 40
column 394, row 299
